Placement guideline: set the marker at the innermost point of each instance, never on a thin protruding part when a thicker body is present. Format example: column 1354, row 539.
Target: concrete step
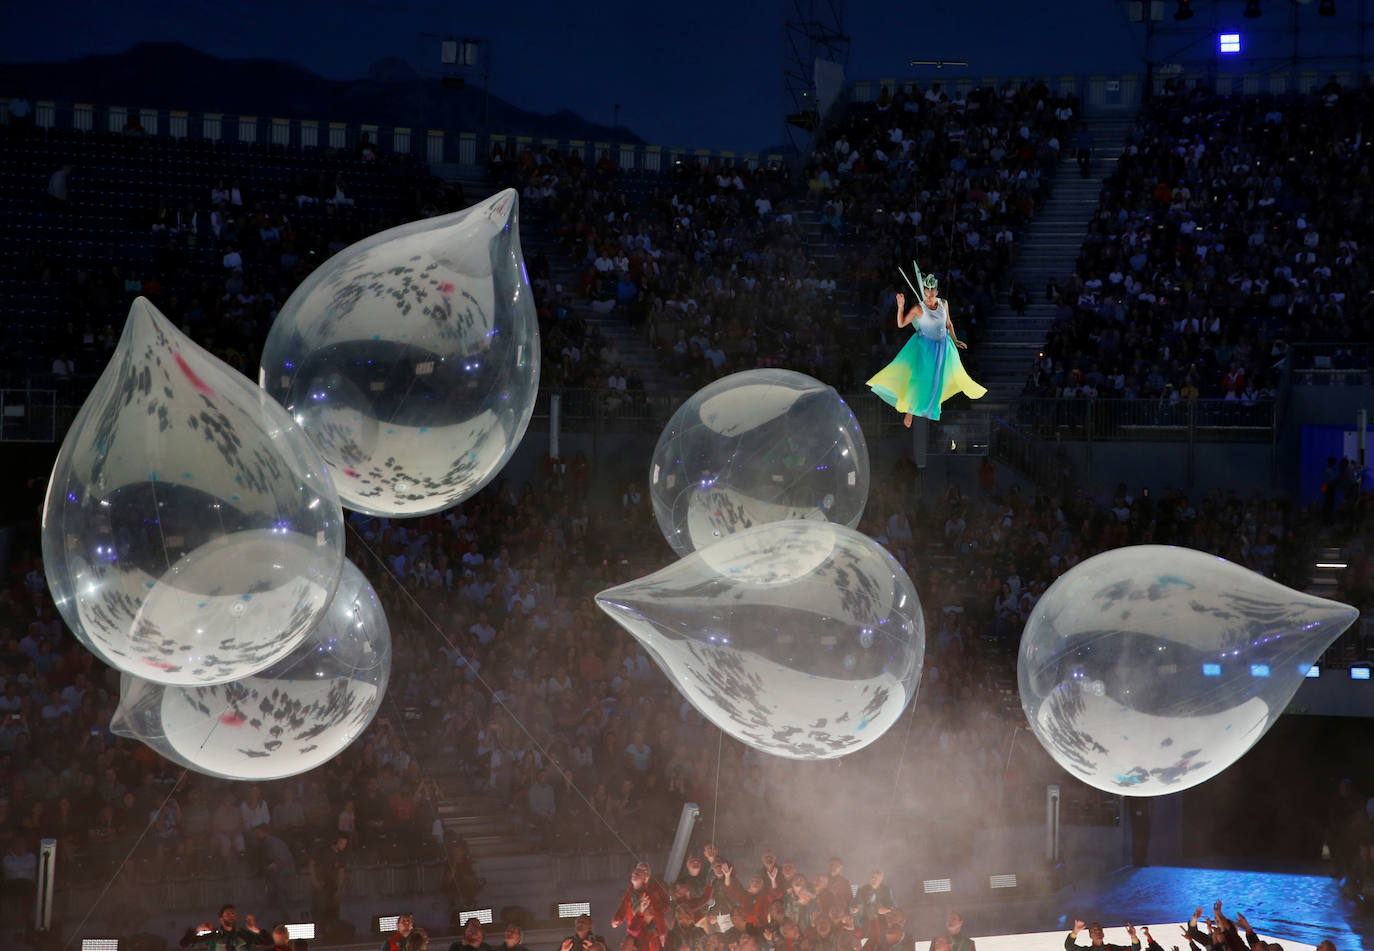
column 1033, row 336
column 1048, row 246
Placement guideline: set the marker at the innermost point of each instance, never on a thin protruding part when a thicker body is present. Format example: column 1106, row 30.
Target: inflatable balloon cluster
column 287, row 718
column 412, row 359
column 1148, row 670
column 757, row 447
column 786, row 628
column 193, row 531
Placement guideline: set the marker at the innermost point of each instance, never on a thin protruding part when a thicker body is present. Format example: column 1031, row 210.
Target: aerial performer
column 927, row 370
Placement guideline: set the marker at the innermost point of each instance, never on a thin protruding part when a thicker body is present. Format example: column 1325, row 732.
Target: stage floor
column 1300, row 908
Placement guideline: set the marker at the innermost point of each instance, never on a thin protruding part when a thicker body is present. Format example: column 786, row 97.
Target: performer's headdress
column 921, row 281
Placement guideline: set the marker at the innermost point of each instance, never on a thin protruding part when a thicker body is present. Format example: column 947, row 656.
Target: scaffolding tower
column 813, row 30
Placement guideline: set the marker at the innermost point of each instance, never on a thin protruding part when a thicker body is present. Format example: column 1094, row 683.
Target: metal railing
column 470, row 149
column 974, row 429
column 31, row 416
column 1037, row 460
column 1016, row 433
column 1125, row 89
column 1145, row 420
column 1354, row 647
column 1330, row 364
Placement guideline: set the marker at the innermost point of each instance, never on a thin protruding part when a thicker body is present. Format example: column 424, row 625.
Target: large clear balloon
column 803, row 639
column 190, row 532
column 757, row 447
column 412, row 359
column 285, row 720
column 1150, row 669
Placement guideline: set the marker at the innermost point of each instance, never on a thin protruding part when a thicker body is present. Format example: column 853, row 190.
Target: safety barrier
column 432, row 146
column 1106, row 91
column 960, row 431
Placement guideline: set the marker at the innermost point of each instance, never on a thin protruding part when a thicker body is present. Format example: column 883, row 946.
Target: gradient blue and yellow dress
column 927, row 370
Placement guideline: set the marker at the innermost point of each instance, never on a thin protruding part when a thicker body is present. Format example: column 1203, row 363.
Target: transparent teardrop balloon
column 756, row 447
column 412, row 359
column 190, row 532
column 287, row 719
column 804, row 639
column 1150, row 669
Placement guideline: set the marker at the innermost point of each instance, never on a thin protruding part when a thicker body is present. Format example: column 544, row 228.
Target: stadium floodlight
column 1259, row 670
column 304, row 929
column 481, row 914
column 1184, row 11
column 1359, row 673
column 1211, row 670
column 1002, row 881
column 1314, row 672
column 1228, row 43
column 934, row 886
column 572, row 909
column 99, row 944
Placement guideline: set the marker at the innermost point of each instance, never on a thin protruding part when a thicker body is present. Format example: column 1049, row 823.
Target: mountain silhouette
column 177, row 76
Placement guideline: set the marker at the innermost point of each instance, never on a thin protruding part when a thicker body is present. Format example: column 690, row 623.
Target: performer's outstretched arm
column 949, row 326
column 904, row 318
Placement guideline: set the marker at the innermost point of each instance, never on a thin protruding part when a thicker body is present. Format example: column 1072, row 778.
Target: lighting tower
column 813, row 30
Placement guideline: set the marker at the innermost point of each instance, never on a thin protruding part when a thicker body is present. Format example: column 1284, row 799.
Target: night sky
column 705, row 74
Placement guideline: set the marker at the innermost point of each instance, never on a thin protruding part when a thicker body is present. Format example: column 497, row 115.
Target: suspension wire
column 125, row 861
column 901, row 761
column 715, row 797
column 491, row 691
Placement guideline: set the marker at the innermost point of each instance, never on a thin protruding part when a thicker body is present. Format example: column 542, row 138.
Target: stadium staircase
column 637, row 356
column 1049, row 247
column 503, row 852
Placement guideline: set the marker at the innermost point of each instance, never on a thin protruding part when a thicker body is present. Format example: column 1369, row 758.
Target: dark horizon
column 710, row 76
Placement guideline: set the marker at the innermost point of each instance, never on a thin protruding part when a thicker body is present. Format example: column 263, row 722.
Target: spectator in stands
column 1204, row 261
column 276, row 863
column 20, row 872
column 1083, row 149
column 461, row 882
column 226, row 825
column 288, row 816
column 340, row 199
column 542, row 804
column 58, row 185
column 328, row 879
column 254, row 809
column 166, row 824
column 21, row 114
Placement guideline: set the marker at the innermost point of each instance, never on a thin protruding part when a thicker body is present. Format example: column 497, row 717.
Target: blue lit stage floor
column 1301, row 908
